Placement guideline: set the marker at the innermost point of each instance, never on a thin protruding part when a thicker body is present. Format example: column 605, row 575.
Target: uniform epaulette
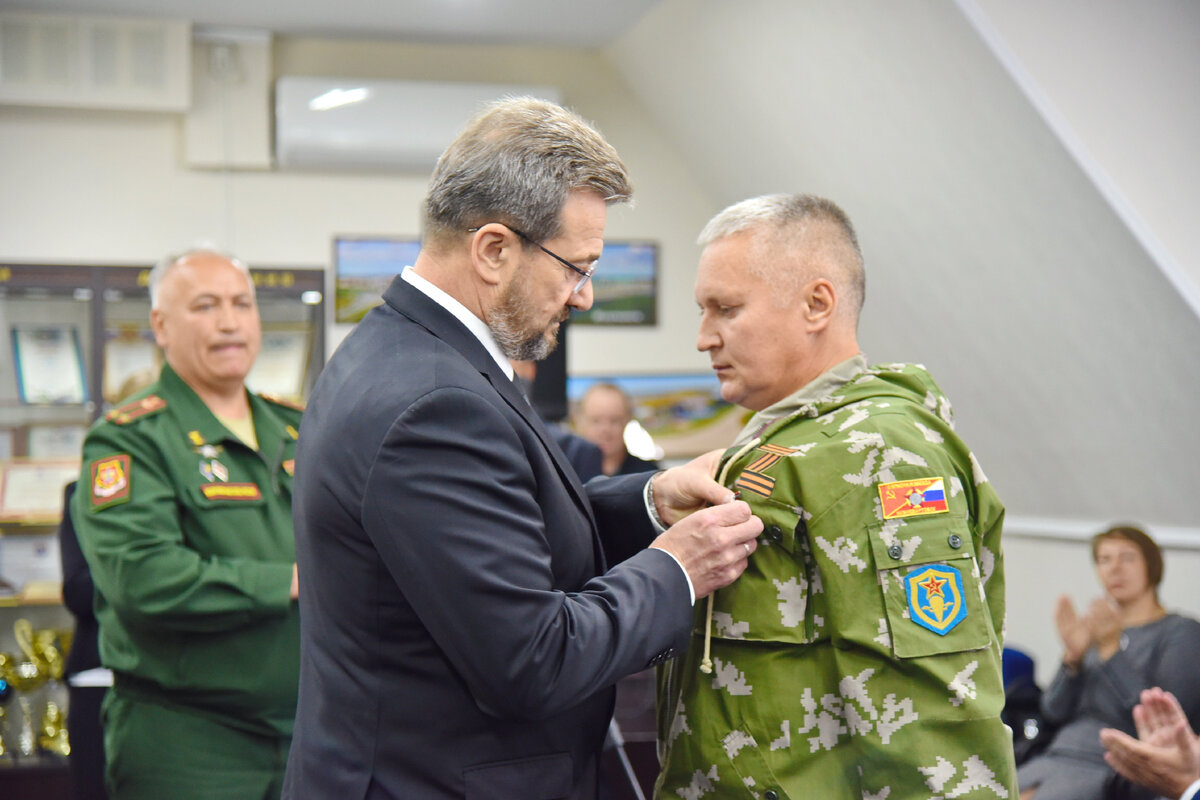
column 280, row 400
column 123, row 415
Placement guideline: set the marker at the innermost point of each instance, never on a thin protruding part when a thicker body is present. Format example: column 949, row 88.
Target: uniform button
column 770, row 794
column 894, row 551
column 955, row 541
column 774, row 533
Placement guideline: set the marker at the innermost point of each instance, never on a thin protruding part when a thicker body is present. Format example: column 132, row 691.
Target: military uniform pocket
column 932, row 595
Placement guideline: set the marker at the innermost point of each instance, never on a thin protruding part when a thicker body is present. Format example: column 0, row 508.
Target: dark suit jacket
column 78, row 594
column 460, row 632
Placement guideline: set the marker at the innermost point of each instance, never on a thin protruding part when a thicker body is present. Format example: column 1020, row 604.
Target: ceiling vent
column 95, row 62
column 327, row 123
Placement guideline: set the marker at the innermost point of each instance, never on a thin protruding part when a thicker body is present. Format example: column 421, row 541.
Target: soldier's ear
column 820, row 302
column 157, row 326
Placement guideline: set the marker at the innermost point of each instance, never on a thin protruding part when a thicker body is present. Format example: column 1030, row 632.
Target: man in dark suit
column 466, row 604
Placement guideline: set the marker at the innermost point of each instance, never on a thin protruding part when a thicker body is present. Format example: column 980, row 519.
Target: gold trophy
column 49, row 647
column 26, row 676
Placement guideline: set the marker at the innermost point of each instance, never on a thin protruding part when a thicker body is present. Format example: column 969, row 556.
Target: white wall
column 110, row 187
column 1121, row 80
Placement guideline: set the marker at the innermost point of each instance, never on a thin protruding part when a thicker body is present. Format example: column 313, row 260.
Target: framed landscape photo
column 363, row 268
column 684, row 414
column 625, row 286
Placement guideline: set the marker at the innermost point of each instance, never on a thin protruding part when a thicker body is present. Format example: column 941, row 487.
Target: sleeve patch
column 110, row 481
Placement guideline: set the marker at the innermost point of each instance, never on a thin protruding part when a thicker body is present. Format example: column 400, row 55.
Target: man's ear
column 820, row 304
column 156, row 325
column 494, row 250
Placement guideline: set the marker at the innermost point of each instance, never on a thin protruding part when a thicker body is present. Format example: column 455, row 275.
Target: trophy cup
column 47, row 651
column 26, row 676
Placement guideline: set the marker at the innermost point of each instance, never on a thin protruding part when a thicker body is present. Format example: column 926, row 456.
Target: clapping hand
column 1166, row 755
column 1074, row 632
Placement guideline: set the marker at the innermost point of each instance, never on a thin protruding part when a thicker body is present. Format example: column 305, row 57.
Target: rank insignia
column 136, row 409
column 935, row 597
column 231, row 491
column 913, row 498
column 110, row 481
column 756, row 483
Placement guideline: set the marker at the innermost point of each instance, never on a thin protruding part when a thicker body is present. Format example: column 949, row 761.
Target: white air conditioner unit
column 326, row 123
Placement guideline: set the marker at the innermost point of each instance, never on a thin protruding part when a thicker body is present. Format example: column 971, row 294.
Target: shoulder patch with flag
column 913, row 498
column 110, row 481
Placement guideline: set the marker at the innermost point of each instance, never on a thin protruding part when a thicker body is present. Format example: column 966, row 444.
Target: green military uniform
column 188, row 534
column 859, row 654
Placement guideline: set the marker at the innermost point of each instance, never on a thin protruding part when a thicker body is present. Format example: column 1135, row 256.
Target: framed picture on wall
column 129, row 353
column 282, row 362
column 31, row 491
column 625, row 286
column 363, row 267
column 684, row 414
column 49, row 364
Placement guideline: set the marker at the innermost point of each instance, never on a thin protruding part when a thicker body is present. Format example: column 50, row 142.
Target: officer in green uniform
column 184, row 516
column 859, row 654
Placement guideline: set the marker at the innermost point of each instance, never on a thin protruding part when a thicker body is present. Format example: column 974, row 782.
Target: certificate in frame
column 49, row 364
column 31, row 490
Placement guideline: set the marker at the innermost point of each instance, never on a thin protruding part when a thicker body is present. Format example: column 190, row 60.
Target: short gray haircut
column 168, row 263
column 515, row 163
column 798, row 237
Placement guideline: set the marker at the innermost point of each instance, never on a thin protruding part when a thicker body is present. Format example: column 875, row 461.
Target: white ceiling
column 546, row 22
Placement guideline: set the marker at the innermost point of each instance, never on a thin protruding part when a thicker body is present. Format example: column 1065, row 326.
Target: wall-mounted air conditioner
column 327, row 123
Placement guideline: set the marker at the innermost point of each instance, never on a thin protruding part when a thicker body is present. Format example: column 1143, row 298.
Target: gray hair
column 516, row 162
column 169, row 262
column 799, row 237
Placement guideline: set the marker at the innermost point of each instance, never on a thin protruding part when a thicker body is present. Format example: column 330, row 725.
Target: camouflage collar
column 810, row 395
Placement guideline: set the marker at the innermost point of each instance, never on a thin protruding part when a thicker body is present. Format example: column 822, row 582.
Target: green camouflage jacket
column 859, row 654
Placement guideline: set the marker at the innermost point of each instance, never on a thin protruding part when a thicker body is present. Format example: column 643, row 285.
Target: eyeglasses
column 587, row 274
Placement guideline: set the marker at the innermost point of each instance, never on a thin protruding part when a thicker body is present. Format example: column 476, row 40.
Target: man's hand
column 688, row 488
column 1166, row 755
column 713, row 544
column 1074, row 632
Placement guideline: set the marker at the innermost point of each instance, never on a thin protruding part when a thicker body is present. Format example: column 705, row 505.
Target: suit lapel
column 421, row 309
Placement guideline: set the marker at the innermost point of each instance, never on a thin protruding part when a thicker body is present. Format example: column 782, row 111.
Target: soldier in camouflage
column 859, row 654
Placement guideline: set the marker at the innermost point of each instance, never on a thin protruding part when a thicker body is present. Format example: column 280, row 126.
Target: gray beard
column 509, row 324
